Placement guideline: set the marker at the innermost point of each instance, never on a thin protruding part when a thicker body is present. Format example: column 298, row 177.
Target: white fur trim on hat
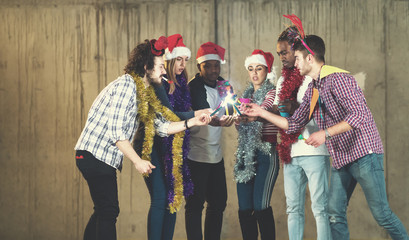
column 272, row 76
column 208, row 57
column 177, row 52
column 257, row 58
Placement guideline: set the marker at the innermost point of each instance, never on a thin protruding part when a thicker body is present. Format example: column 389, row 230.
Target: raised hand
column 205, row 111
column 226, row 120
column 252, row 109
column 202, row 120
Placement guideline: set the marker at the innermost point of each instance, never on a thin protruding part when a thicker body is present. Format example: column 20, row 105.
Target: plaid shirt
column 341, row 99
column 113, row 117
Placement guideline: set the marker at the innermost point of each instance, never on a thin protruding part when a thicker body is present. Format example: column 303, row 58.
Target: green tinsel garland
column 250, row 137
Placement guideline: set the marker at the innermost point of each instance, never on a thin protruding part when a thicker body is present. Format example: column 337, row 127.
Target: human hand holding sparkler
column 229, row 100
column 205, row 111
column 201, row 120
column 252, row 110
column 226, row 120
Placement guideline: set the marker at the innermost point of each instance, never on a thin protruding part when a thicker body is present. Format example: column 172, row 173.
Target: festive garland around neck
column 289, row 90
column 148, row 106
column 249, row 139
column 181, row 102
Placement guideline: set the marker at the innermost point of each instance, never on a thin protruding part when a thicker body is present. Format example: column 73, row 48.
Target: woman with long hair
column 257, row 164
column 169, row 183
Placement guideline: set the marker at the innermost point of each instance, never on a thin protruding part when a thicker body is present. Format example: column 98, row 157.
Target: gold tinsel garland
column 148, row 106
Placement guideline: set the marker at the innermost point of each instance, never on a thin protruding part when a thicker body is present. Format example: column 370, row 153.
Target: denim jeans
column 313, row 170
column 161, row 223
column 209, row 181
column 256, row 194
column 102, row 183
column 368, row 172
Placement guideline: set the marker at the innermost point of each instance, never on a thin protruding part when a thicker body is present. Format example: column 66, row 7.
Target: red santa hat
column 158, row 46
column 259, row 56
column 176, row 48
column 210, row 51
column 263, row 58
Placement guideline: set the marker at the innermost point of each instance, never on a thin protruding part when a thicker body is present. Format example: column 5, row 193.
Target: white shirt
column 300, row 148
column 205, row 141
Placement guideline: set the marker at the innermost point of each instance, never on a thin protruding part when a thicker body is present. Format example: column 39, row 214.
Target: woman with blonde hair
column 166, row 189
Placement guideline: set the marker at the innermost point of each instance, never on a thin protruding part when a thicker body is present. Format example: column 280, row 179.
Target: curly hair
column 140, row 57
column 286, row 35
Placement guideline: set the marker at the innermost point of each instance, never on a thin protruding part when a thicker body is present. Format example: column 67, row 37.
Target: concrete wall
column 55, row 56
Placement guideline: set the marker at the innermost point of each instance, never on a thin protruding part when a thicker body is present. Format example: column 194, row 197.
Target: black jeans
column 101, row 179
column 209, row 185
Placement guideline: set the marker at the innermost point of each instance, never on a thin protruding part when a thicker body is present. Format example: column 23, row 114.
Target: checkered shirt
column 113, row 117
column 341, row 100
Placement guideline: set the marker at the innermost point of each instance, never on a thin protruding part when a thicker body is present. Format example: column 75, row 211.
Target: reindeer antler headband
column 300, row 35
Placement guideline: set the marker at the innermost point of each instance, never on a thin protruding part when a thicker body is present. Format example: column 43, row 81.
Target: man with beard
column 205, row 157
column 302, row 163
column 116, row 113
column 347, row 127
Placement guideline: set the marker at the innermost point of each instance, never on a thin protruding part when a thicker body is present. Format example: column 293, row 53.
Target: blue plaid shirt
column 113, row 117
column 341, row 100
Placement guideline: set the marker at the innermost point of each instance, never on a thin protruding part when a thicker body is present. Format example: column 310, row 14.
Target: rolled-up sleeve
column 351, row 98
column 122, row 110
column 161, row 125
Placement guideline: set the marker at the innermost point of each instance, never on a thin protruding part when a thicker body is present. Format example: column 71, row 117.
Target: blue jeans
column 161, row 223
column 256, row 194
column 313, row 170
column 368, row 172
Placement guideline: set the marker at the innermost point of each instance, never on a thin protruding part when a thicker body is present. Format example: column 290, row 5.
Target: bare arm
column 339, row 128
column 142, row 166
column 256, row 111
column 175, row 127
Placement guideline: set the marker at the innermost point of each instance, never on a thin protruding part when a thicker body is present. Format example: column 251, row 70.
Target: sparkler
column 229, row 99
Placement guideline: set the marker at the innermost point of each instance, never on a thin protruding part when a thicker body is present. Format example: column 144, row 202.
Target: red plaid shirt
column 341, row 99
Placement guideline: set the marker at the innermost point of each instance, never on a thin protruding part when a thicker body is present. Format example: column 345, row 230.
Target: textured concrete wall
column 55, row 56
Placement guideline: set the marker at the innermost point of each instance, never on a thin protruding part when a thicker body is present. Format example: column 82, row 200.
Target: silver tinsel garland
column 249, row 139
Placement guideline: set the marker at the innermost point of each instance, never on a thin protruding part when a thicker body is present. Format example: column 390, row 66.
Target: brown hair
column 140, row 57
column 315, row 43
column 170, row 73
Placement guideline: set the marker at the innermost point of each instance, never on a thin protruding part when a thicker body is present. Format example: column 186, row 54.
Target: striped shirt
column 113, row 117
column 269, row 131
column 341, row 100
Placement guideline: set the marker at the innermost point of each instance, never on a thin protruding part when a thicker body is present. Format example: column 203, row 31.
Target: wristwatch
column 327, row 135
